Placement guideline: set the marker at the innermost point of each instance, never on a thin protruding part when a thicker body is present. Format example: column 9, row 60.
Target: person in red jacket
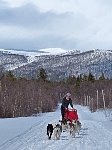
column 65, row 102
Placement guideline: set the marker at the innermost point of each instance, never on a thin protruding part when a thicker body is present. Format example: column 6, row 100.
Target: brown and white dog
column 75, row 127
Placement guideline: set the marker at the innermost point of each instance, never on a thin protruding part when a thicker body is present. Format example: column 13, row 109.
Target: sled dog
column 73, row 128
column 68, row 125
column 57, row 131
column 63, row 124
column 49, row 130
column 77, row 125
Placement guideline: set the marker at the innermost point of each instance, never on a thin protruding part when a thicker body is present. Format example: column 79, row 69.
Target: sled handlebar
column 71, row 109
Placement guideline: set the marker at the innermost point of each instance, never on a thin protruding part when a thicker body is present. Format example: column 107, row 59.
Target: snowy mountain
column 58, row 63
column 29, row 133
column 10, row 59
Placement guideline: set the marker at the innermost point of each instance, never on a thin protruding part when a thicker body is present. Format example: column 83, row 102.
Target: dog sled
column 71, row 114
column 70, row 123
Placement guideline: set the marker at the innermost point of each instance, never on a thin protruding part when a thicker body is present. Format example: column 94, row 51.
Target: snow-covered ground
column 29, row 133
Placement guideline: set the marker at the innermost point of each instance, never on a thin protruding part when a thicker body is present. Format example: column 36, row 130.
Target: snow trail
column 94, row 134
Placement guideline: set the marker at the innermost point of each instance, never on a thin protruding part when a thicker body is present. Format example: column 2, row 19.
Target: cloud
column 53, row 23
column 29, row 16
column 43, row 42
column 28, row 19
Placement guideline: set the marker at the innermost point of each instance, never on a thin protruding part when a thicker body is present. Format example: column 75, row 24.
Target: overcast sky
column 69, row 24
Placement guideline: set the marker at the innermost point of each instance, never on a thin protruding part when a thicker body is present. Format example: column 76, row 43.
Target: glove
column 75, row 110
column 66, row 109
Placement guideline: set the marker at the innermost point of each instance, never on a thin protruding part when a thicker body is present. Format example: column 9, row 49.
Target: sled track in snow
column 64, row 142
column 25, row 136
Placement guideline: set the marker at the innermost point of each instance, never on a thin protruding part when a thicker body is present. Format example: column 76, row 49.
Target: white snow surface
column 54, row 51
column 29, row 133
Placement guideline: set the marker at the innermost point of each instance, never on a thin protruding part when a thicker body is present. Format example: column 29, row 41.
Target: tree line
column 23, row 97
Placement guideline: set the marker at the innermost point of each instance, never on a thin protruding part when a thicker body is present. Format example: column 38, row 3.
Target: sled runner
column 71, row 114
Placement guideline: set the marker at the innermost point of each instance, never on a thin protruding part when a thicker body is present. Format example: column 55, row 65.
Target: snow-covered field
column 29, row 133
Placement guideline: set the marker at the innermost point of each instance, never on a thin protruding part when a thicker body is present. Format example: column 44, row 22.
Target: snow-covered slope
column 30, row 133
column 53, row 51
column 70, row 63
column 58, row 63
column 30, row 56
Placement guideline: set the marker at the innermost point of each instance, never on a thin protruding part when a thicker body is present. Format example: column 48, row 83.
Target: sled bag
column 71, row 115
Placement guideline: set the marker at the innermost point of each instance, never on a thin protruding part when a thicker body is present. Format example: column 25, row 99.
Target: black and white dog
column 49, row 130
column 63, row 125
column 57, row 131
column 79, row 125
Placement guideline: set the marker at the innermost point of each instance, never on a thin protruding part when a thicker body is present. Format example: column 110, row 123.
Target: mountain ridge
column 58, row 64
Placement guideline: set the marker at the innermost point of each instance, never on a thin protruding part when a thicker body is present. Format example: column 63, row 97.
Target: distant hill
column 58, row 63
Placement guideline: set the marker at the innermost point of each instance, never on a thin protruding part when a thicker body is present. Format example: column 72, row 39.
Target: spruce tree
column 102, row 77
column 42, row 74
column 78, row 81
column 91, row 77
column 10, row 75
